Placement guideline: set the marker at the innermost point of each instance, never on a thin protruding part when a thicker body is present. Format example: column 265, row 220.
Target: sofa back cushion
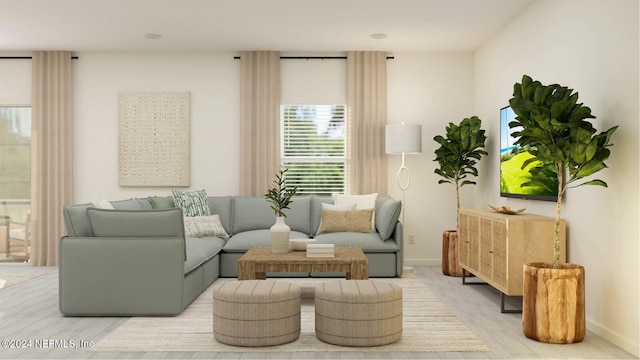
column 132, row 204
column 221, row 206
column 387, row 216
column 255, row 213
column 380, row 200
column 136, row 223
column 251, row 213
column 299, row 214
column 77, row 222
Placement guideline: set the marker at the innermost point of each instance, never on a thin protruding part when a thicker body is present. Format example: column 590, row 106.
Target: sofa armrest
column 397, row 236
column 102, row 276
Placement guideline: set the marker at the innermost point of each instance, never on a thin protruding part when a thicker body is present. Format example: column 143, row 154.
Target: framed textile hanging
column 153, row 139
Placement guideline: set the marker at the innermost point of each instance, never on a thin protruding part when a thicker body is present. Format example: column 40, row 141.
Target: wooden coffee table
column 256, row 262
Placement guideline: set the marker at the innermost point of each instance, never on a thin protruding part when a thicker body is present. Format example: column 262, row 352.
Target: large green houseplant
column 460, row 150
column 280, row 196
column 553, row 126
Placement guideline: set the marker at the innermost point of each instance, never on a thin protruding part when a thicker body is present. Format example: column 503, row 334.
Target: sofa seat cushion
column 209, row 246
column 199, row 250
column 241, row 242
column 194, row 260
column 368, row 242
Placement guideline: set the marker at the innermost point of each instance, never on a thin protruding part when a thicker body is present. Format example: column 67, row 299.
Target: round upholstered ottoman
column 358, row 312
column 256, row 312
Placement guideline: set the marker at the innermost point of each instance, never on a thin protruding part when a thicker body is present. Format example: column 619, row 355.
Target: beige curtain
column 51, row 152
column 259, row 120
column 367, row 107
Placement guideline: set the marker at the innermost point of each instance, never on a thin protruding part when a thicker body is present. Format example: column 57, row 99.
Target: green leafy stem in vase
column 280, row 195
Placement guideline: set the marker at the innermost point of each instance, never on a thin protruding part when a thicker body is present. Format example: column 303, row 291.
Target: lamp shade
column 403, row 138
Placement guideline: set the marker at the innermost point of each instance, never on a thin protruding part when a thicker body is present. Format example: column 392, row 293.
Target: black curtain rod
column 313, row 57
column 25, row 57
column 235, row 57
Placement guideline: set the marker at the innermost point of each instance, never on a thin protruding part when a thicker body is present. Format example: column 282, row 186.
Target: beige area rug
column 428, row 326
column 10, row 279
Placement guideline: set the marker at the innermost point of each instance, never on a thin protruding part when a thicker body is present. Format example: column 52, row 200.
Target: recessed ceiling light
column 152, row 36
column 378, row 36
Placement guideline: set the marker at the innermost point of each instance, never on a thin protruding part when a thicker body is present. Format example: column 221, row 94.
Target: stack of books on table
column 320, row 250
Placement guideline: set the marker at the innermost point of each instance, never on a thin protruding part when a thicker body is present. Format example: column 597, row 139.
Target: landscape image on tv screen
column 512, row 156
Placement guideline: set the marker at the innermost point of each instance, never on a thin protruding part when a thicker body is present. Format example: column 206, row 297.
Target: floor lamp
column 403, row 139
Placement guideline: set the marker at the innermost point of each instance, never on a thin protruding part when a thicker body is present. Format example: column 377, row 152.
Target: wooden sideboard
column 495, row 246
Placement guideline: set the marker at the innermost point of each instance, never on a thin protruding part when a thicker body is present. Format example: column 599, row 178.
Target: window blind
column 314, row 148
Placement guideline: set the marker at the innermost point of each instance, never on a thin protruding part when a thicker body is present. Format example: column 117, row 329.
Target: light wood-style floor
column 29, row 310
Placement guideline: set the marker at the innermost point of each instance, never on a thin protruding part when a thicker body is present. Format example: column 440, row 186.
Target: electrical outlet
column 412, row 239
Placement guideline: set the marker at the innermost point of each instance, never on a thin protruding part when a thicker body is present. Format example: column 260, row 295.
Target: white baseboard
column 423, row 262
column 628, row 344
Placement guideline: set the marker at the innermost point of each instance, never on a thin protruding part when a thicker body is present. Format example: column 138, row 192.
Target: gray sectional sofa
column 136, row 261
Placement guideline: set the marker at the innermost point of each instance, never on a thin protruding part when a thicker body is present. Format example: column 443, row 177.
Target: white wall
column 432, row 90
column 313, row 81
column 16, row 82
column 590, row 46
column 212, row 80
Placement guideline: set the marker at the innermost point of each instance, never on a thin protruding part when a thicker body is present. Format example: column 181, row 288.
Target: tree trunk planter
column 553, row 303
column 450, row 245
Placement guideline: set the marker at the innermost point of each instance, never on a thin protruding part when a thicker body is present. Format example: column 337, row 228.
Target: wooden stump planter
column 553, row 303
column 450, row 265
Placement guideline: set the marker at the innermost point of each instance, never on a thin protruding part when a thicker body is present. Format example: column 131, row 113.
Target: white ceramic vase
column 280, row 233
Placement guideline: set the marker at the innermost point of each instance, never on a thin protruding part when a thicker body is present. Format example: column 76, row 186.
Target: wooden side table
column 256, row 262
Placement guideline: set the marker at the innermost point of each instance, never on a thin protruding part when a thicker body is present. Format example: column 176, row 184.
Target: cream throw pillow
column 199, row 226
column 346, row 221
column 335, row 207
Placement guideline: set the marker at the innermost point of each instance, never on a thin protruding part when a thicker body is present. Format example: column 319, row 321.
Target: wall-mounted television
column 512, row 156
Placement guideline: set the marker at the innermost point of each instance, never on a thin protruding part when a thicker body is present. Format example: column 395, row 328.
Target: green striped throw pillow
column 193, row 203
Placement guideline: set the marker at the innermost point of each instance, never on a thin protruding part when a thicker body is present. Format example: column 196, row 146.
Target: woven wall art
column 153, row 139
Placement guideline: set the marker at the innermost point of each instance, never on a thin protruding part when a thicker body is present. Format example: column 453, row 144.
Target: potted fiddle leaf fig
column 555, row 129
column 280, row 196
column 457, row 157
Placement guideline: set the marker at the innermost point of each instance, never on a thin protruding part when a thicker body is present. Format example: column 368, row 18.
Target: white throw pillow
column 339, row 207
column 102, row 204
column 362, row 202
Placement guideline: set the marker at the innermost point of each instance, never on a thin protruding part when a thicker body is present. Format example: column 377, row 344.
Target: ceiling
column 235, row 25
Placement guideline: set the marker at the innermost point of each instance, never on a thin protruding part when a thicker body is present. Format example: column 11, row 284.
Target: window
column 15, row 161
column 314, row 148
